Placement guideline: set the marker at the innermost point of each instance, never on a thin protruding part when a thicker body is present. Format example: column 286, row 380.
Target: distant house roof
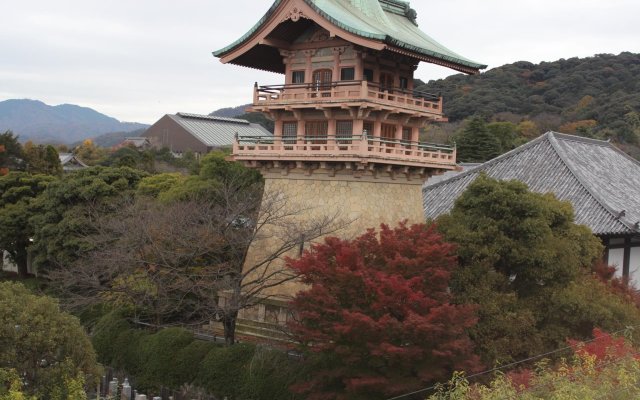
column 70, row 162
column 217, row 131
column 601, row 182
column 137, row 141
column 391, row 22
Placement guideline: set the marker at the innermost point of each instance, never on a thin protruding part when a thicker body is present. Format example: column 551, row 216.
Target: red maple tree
column 376, row 318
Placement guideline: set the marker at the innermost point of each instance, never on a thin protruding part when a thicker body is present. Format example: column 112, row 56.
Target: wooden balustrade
column 343, row 148
column 346, row 91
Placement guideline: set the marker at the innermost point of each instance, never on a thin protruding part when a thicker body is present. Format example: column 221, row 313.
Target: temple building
column 200, row 134
column 347, row 115
column 601, row 182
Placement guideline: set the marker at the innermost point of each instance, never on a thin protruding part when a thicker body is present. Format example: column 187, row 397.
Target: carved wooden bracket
column 294, row 15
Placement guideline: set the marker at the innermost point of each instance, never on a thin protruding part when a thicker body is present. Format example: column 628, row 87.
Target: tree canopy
column 528, row 267
column 376, row 318
column 65, row 209
column 595, row 96
column 44, row 346
column 12, row 154
column 18, row 191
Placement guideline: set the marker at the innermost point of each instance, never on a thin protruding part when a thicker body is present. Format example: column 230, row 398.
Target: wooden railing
column 346, row 91
column 340, row 148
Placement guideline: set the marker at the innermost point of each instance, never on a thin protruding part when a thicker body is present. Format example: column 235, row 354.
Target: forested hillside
column 596, row 96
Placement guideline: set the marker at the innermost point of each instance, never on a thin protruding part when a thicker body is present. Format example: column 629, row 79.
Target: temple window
column 297, row 77
column 368, row 75
column 347, row 74
column 322, row 79
column 404, row 83
column 289, row 131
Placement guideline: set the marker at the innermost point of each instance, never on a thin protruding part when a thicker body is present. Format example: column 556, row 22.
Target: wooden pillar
column 358, row 127
column 359, row 73
column 377, row 128
column 331, row 132
column 308, row 74
column 627, row 257
column 277, row 129
column 337, row 51
column 398, row 132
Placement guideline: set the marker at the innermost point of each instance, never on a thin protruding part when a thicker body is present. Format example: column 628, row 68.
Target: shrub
column 105, row 334
column 269, row 375
column 157, row 356
column 221, row 372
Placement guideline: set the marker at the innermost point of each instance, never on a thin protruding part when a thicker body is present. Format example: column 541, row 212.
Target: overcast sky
column 137, row 60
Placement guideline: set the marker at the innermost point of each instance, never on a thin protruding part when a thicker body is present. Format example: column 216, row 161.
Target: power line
column 513, row 364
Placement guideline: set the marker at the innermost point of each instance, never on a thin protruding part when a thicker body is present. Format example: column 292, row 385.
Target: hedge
column 172, row 358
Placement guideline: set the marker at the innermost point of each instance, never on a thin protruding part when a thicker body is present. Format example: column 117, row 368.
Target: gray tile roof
column 70, row 162
column 217, row 131
column 601, row 182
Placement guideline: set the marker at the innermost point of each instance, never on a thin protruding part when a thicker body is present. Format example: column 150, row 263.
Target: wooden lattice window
column 386, row 82
column 317, row 131
column 367, row 127
column 406, row 134
column 344, row 130
column 297, row 77
column 289, row 132
column 322, row 79
column 388, row 131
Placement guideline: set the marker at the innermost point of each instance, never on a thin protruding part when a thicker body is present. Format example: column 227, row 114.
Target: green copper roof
column 388, row 21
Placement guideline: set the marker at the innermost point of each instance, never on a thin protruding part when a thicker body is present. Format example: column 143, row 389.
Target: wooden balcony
column 361, row 149
column 347, row 93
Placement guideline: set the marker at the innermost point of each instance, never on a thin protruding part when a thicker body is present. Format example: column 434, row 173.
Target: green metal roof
column 388, row 21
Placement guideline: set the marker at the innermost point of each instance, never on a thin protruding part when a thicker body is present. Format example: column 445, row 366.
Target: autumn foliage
column 377, row 318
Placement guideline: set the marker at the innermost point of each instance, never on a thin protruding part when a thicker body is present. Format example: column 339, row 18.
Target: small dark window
column 368, row 75
column 404, row 83
column 297, row 77
column 347, row 74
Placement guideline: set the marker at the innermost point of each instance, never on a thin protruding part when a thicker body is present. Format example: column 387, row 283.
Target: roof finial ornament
column 411, row 14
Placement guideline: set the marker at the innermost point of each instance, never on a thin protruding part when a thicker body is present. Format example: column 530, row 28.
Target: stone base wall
column 354, row 203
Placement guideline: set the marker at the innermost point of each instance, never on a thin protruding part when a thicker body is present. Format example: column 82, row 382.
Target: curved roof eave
column 468, row 66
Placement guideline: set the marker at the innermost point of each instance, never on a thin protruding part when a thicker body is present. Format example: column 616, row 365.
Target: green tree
column 89, row 153
column 41, row 159
column 217, row 179
column 518, row 252
column 12, row 157
column 18, row 191
column 66, row 208
column 48, row 348
column 476, row 143
column 506, row 133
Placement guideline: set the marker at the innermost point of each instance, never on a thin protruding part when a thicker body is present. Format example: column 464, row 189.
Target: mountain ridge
column 64, row 123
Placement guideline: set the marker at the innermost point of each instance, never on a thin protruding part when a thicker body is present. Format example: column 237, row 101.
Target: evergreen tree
column 476, row 143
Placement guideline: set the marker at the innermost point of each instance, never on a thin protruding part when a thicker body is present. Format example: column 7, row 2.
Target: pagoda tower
column 347, row 117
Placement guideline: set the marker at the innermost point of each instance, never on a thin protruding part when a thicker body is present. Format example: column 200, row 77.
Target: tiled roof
column 388, row 21
column 70, row 162
column 217, row 131
column 601, row 182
